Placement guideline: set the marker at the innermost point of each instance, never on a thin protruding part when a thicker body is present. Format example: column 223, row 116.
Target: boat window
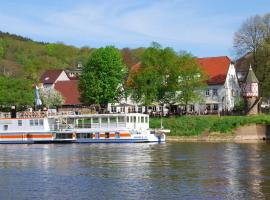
column 36, row 122
column 107, row 135
column 104, row 120
column 31, row 122
column 121, row 119
column 5, row 127
column 19, row 122
column 97, row 135
column 95, row 120
column 117, row 135
column 63, row 136
column 112, row 119
column 41, row 122
column 142, row 119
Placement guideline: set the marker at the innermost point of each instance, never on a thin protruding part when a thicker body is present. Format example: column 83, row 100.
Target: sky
column 204, row 28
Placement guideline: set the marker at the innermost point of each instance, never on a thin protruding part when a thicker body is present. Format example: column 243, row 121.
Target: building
column 223, row 90
column 50, row 77
column 221, row 94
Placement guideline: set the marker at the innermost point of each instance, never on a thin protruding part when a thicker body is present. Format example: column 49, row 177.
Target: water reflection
column 135, row 171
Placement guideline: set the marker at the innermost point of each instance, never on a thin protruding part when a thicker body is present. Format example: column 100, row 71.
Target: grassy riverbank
column 197, row 125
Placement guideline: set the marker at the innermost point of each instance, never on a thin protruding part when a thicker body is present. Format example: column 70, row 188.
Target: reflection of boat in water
column 90, row 128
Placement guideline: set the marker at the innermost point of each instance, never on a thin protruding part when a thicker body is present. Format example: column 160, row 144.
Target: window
column 191, row 108
column 142, row 119
column 19, row 122
column 31, row 122
column 207, row 92
column 97, row 135
column 208, row 106
column 127, row 119
column 215, row 106
column 134, row 119
column 104, row 120
column 41, row 122
column 113, row 109
column 36, row 122
column 5, row 127
column 107, row 135
column 146, row 119
column 215, row 92
column 117, row 135
column 121, row 119
column 112, row 119
column 122, row 109
column 139, row 109
column 95, row 120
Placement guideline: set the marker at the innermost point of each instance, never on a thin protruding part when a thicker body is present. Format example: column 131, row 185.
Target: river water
column 135, row 171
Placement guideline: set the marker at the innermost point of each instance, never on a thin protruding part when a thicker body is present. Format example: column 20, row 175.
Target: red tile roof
column 216, row 67
column 50, row 76
column 69, row 90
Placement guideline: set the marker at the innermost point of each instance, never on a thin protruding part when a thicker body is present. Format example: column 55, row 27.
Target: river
column 172, row 170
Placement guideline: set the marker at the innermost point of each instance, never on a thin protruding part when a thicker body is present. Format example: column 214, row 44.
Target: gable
column 51, row 76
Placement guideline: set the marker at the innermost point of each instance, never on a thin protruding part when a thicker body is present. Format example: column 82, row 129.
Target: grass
column 196, row 125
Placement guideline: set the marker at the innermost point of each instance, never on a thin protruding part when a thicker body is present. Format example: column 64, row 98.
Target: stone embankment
column 248, row 133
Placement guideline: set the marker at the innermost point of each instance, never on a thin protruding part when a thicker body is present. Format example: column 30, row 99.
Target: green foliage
column 196, row 125
column 16, row 91
column 22, row 57
column 101, row 79
column 191, row 80
column 166, row 77
column 155, row 82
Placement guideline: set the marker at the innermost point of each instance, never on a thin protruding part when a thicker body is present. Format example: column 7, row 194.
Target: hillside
column 23, row 57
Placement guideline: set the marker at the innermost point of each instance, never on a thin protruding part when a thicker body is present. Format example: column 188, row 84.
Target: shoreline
column 212, row 139
column 246, row 134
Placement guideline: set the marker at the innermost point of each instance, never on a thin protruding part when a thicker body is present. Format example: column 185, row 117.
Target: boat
column 74, row 128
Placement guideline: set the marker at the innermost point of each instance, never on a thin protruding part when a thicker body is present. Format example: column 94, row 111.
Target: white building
column 223, row 91
column 221, row 94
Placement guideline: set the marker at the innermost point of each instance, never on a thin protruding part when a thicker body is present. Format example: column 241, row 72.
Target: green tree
column 102, row 77
column 192, row 80
column 156, row 80
column 16, row 91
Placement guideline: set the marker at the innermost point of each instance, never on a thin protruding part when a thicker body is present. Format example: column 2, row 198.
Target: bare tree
column 250, row 37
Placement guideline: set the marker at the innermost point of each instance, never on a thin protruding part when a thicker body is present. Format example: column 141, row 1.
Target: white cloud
column 126, row 23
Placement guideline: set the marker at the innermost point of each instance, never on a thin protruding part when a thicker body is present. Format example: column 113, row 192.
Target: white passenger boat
column 90, row 128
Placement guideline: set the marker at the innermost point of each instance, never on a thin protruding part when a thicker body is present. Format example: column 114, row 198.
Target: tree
column 167, row 78
column 102, row 77
column 155, row 82
column 253, row 38
column 192, row 80
column 16, row 91
column 51, row 97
